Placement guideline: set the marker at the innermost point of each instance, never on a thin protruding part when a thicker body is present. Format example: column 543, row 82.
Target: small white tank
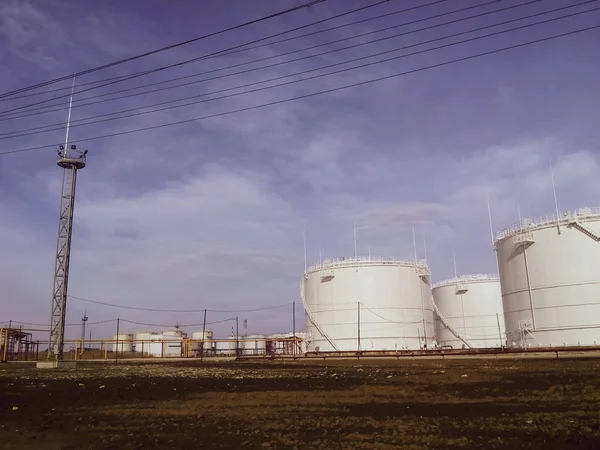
column 142, row 341
column 123, row 342
column 173, row 343
column 198, row 335
column 226, row 348
column 207, row 337
column 254, row 344
column 175, row 332
column 156, row 345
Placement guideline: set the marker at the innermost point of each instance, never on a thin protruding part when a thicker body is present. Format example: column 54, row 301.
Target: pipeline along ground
column 368, row 404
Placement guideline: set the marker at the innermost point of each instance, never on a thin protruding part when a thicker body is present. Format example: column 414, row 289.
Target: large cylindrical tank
column 254, row 344
column 383, row 303
column 470, row 312
column 123, row 342
column 550, row 278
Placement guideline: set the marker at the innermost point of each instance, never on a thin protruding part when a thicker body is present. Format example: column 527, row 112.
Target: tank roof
column 367, row 261
column 529, row 224
column 473, row 278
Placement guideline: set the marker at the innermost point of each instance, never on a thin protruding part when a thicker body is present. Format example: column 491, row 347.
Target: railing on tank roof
column 366, row 260
column 549, row 219
column 467, row 279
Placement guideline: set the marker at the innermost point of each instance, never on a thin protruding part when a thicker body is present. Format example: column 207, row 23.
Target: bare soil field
column 343, row 404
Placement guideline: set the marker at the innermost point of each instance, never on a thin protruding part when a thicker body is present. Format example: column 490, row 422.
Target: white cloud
column 211, row 213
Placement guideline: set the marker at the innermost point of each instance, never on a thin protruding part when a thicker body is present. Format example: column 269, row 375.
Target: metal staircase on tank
column 448, row 326
column 312, row 319
column 574, row 223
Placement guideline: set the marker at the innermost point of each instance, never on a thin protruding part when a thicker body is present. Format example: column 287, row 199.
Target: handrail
column 466, row 279
column 312, row 318
column 447, row 325
column 550, row 219
column 366, row 260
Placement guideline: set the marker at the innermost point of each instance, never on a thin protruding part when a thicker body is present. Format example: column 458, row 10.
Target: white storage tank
column 199, row 336
column 254, row 344
column 142, row 341
column 384, row 303
column 156, row 345
column 469, row 312
column 173, row 343
column 550, row 278
column 207, row 335
column 226, row 347
column 123, row 342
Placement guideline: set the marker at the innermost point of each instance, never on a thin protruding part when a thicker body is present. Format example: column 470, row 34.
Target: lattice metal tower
column 71, row 160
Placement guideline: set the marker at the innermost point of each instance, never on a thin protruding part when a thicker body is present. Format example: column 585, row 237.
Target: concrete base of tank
column 56, row 364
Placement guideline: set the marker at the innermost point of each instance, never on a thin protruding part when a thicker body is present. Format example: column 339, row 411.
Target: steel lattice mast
column 71, row 160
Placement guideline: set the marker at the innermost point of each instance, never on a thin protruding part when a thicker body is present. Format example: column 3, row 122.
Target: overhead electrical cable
column 314, row 94
column 181, row 63
column 33, row 132
column 179, row 325
column 312, row 33
column 135, row 308
column 77, row 104
column 162, row 49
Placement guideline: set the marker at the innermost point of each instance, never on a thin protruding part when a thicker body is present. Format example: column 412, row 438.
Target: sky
column 211, row 213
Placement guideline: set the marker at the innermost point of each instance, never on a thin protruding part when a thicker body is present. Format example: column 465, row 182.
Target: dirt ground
column 344, row 404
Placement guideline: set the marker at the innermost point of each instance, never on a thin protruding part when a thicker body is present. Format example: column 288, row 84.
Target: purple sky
column 210, row 214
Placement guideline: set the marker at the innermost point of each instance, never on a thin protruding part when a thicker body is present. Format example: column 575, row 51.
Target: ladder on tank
column 312, row 319
column 447, row 325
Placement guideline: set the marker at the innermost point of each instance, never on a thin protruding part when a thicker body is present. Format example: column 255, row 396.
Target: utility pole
column 237, row 338
column 358, row 331
column 499, row 331
column 117, row 343
column 84, row 319
column 294, row 328
column 203, row 335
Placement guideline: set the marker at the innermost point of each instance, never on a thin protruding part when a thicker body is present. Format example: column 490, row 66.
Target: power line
column 181, row 325
column 313, row 94
column 312, row 33
column 78, row 324
column 181, row 63
column 44, row 110
column 113, row 305
column 32, row 131
column 162, row 49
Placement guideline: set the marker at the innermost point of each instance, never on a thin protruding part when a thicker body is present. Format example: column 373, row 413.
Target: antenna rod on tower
column 492, row 230
column 555, row 200
column 355, row 246
column 305, row 267
column 69, row 116
column 414, row 242
column 425, row 248
column 454, row 259
column 487, row 198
